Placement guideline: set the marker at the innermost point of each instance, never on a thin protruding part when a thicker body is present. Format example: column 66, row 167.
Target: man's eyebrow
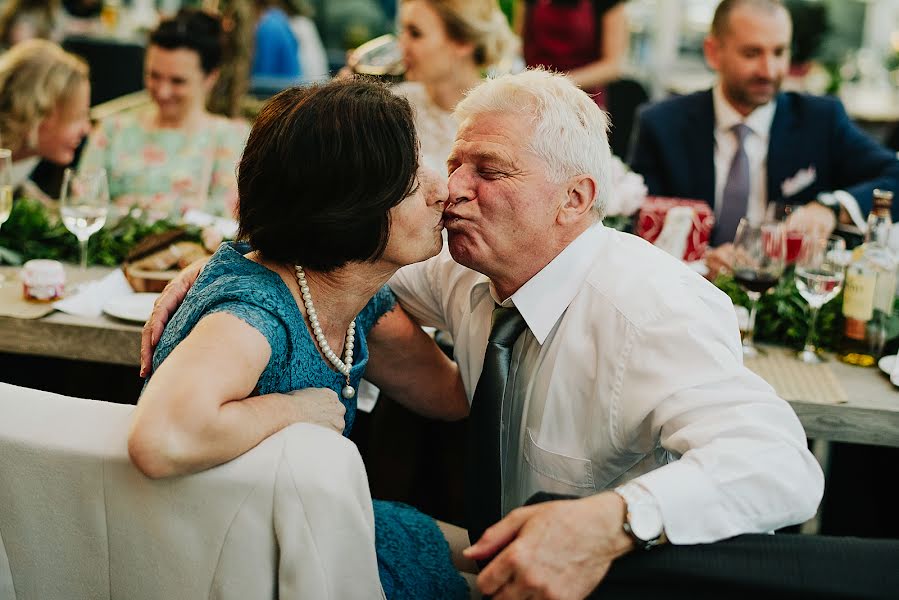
column 481, row 156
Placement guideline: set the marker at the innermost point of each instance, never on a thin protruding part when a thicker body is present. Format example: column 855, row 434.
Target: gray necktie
column 735, row 199
column 483, row 481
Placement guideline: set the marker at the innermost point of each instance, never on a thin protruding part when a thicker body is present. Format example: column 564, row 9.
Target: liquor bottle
column 870, row 289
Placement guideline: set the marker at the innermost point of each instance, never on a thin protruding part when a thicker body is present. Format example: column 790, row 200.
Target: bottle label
column 858, row 297
column 885, row 292
column 854, row 329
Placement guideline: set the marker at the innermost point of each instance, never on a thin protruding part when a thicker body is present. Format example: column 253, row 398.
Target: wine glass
column 5, row 190
column 819, row 278
column 84, row 204
column 5, row 184
column 759, row 257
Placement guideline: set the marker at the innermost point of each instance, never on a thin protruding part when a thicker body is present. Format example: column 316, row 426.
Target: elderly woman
column 332, row 203
column 44, row 105
column 447, row 45
column 173, row 156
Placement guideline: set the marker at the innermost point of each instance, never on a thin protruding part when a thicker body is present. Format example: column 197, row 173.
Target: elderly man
column 598, row 365
column 626, row 385
column 744, row 145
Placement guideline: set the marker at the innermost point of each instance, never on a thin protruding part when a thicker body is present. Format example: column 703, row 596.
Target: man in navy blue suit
column 744, row 145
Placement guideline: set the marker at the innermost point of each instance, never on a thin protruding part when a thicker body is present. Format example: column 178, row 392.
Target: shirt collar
column 726, row 116
column 546, row 295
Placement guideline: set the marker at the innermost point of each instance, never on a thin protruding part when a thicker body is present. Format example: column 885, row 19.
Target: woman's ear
column 579, row 199
column 464, row 49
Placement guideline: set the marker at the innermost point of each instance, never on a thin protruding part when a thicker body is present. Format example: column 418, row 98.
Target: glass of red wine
column 759, row 257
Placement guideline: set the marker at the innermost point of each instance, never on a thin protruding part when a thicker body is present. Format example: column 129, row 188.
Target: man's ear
column 579, row 200
column 711, row 46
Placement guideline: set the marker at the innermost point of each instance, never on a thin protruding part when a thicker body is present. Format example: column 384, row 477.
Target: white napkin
column 894, row 375
column 92, row 295
column 366, row 396
column 226, row 227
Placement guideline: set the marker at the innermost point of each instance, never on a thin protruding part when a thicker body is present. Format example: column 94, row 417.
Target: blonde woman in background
column 44, row 106
column 447, row 46
column 22, row 20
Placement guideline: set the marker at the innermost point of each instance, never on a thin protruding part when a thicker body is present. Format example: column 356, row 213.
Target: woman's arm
column 613, row 51
column 406, row 364
column 195, row 413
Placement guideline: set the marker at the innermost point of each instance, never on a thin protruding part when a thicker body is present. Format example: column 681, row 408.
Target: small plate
column 886, row 363
column 135, row 307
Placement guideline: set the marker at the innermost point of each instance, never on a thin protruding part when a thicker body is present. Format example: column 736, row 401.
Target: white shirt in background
column 756, row 145
column 630, row 369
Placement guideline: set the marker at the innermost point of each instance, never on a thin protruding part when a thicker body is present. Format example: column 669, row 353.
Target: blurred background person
column 447, row 46
column 744, row 144
column 276, row 50
column 586, row 39
column 173, row 155
column 311, row 53
column 44, row 106
column 22, row 20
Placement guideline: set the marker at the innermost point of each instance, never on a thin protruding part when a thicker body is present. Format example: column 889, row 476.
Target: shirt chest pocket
column 554, row 472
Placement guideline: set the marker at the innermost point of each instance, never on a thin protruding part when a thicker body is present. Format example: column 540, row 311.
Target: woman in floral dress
column 173, row 155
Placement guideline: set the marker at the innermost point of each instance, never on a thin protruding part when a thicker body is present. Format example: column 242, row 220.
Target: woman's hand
column 164, row 307
column 319, row 406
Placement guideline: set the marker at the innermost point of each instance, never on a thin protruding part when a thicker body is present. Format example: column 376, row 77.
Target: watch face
column 645, row 521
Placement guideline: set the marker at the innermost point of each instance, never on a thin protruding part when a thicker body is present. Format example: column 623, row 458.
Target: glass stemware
column 5, row 190
column 5, row 184
column 759, row 258
column 819, row 278
column 84, row 205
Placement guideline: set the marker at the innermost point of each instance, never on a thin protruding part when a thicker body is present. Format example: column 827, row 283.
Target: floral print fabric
column 166, row 172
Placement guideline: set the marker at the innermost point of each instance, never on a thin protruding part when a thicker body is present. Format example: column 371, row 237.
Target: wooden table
column 870, row 417
column 58, row 335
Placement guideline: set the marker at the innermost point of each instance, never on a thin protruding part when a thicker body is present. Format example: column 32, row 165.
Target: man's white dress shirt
column 630, row 368
column 756, row 146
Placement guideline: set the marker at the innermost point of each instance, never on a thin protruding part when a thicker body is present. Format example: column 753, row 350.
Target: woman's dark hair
column 195, row 30
column 322, row 168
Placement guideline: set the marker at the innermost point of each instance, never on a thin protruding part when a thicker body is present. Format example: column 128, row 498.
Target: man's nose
column 459, row 186
column 768, row 66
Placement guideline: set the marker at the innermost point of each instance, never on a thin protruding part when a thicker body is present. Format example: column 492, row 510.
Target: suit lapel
column 699, row 146
column 781, row 147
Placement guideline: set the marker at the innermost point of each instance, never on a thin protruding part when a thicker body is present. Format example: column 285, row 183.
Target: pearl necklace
column 343, row 366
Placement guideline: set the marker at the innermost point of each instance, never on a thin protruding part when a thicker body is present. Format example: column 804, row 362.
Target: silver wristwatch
column 643, row 521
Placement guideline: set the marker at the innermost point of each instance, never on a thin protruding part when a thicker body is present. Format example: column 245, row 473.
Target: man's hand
column 319, row 406
column 719, row 260
column 164, row 307
column 559, row 549
column 813, row 219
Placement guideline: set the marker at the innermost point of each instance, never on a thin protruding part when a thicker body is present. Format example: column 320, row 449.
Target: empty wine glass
column 819, row 278
column 759, row 257
column 84, row 204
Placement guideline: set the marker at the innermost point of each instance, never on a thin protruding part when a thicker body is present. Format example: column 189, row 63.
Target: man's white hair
column 570, row 130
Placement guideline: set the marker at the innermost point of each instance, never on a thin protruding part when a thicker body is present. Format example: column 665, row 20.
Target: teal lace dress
column 413, row 556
